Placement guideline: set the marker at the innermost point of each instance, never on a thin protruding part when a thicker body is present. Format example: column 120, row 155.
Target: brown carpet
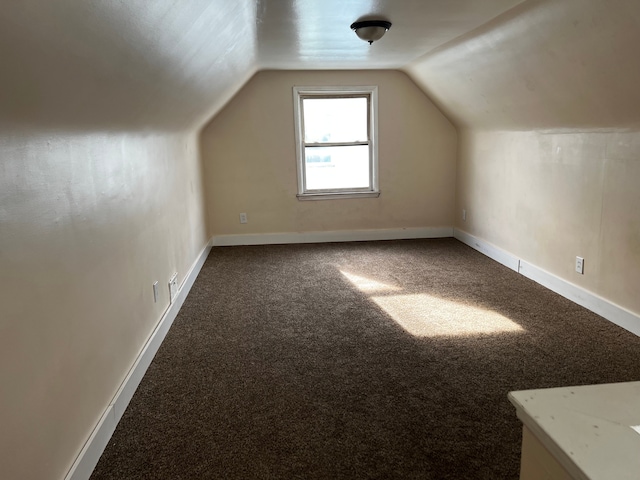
column 331, row 361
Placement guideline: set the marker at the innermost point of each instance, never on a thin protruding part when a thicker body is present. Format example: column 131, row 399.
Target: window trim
column 299, row 94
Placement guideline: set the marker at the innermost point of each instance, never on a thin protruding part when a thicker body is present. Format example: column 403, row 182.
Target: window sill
column 336, row 196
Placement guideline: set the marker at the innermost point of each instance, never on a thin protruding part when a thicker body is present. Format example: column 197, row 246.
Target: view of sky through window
column 335, row 120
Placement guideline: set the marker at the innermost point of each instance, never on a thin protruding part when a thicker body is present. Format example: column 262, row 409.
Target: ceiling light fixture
column 371, row 30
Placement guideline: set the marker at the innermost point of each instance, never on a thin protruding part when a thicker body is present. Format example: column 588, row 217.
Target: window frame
column 371, row 93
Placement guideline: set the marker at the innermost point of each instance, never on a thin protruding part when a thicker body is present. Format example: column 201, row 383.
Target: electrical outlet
column 243, row 218
column 464, row 215
column 173, row 287
column 580, row 265
column 155, row 292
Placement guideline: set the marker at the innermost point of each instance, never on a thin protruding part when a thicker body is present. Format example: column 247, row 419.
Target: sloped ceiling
column 157, row 64
column 167, row 64
column 546, row 64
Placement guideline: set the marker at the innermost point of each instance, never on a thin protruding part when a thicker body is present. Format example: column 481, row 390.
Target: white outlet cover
column 173, row 287
column 155, row 292
column 580, row 265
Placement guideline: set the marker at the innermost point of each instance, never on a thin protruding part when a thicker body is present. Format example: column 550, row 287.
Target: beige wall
column 101, row 194
column 549, row 197
column 547, row 103
column 88, row 221
column 250, row 160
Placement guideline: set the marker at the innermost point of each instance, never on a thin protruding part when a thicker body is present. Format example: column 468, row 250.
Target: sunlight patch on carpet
column 367, row 285
column 425, row 316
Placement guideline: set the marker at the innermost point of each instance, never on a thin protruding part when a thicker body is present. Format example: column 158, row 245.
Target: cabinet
column 587, row 432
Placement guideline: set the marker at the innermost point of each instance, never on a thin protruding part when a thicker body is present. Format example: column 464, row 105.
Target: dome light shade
column 371, row 30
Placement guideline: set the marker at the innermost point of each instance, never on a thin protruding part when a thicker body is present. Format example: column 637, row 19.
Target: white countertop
column 588, row 428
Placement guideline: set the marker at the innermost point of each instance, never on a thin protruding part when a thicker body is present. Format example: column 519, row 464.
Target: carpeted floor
column 356, row 360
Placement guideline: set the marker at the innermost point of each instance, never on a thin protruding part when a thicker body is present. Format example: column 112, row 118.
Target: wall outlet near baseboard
column 580, row 265
column 173, row 287
column 155, row 292
column 243, row 218
column 464, row 215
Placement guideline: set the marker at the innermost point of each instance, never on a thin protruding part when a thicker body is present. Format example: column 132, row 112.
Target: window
column 336, row 145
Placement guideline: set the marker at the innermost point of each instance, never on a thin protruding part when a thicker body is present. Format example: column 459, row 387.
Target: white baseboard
column 606, row 309
column 612, row 312
column 332, row 236
column 99, row 438
column 488, row 249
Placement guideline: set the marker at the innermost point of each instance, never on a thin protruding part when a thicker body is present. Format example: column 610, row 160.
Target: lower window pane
column 337, row 167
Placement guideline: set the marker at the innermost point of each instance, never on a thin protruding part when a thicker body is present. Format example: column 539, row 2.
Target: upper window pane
column 335, row 120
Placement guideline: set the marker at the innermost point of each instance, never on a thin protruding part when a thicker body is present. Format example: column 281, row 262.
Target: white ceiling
column 315, row 34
